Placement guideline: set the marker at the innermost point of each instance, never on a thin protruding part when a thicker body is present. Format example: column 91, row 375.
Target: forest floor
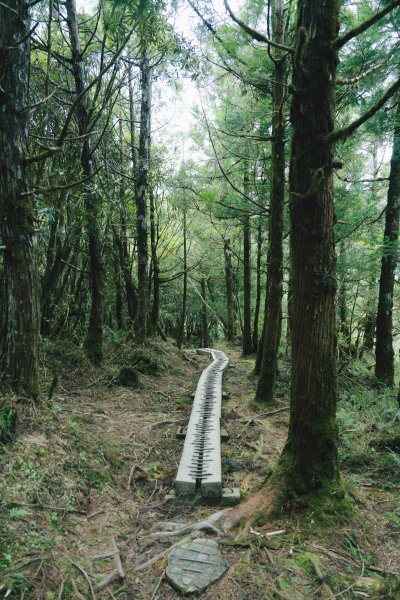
column 94, row 465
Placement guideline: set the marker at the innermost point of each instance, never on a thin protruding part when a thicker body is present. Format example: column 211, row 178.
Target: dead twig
column 76, row 591
column 117, row 574
column 157, row 557
column 61, row 589
column 157, row 586
column 86, row 576
column 134, row 468
column 321, row 577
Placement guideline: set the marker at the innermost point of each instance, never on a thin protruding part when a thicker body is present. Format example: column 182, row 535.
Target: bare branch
column 352, row 33
column 354, row 80
column 256, row 35
column 345, row 132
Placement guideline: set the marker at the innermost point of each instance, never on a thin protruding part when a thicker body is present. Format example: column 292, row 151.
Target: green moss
column 147, row 362
column 128, row 377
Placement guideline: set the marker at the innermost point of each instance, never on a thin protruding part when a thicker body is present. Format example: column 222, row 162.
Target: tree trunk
column 230, row 300
column 342, row 302
column 141, row 197
column 184, row 290
column 273, row 306
column 155, row 309
column 247, row 342
column 94, row 338
column 259, row 355
column 122, row 237
column 309, row 459
column 116, row 270
column 384, row 367
column 258, row 288
column 20, row 346
column 204, row 321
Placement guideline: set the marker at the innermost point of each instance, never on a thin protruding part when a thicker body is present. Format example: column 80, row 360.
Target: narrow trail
column 95, row 470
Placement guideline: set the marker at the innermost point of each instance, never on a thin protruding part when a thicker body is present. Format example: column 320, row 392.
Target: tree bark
column 204, row 321
column 155, row 309
column 384, row 354
column 94, row 337
column 309, row 459
column 20, row 347
column 258, row 287
column 342, row 302
column 247, row 346
column 273, row 305
column 230, row 300
column 141, row 199
column 184, row 290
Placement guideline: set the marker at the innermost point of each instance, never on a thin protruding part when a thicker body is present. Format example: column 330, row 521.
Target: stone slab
column 193, row 566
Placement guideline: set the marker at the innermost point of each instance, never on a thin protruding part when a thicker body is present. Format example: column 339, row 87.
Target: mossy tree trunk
column 310, row 458
column 94, row 337
column 273, row 304
column 384, row 367
column 141, row 198
column 20, row 346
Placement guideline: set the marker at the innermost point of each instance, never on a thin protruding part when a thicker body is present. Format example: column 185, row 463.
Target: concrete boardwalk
column 200, row 465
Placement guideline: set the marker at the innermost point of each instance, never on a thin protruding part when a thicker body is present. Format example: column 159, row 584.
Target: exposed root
column 246, row 513
column 176, row 529
column 117, row 574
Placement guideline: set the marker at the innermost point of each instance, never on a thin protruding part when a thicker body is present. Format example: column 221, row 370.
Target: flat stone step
column 194, row 565
column 200, row 464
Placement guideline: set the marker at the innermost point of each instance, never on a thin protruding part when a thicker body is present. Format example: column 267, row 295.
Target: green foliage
column 8, row 418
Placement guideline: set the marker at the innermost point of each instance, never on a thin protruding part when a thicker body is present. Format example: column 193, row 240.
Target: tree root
column 118, row 572
column 175, row 529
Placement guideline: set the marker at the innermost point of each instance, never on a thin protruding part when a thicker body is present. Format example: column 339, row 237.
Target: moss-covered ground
column 96, row 461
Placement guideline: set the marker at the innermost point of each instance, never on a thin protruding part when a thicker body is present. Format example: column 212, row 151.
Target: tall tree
column 247, row 345
column 384, row 368
column 310, row 454
column 184, row 281
column 230, row 289
column 19, row 355
column 94, row 337
column 273, row 304
column 141, row 197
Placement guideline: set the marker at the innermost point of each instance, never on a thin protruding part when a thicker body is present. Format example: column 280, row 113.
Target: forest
column 189, row 174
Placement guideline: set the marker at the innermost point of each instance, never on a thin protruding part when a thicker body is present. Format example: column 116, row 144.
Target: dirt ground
column 93, row 468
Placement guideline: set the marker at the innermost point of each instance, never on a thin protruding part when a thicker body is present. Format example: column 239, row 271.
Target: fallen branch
column 268, row 414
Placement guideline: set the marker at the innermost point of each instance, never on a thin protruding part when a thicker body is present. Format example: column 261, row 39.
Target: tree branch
column 256, row 35
column 354, row 80
column 352, row 33
column 342, row 134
